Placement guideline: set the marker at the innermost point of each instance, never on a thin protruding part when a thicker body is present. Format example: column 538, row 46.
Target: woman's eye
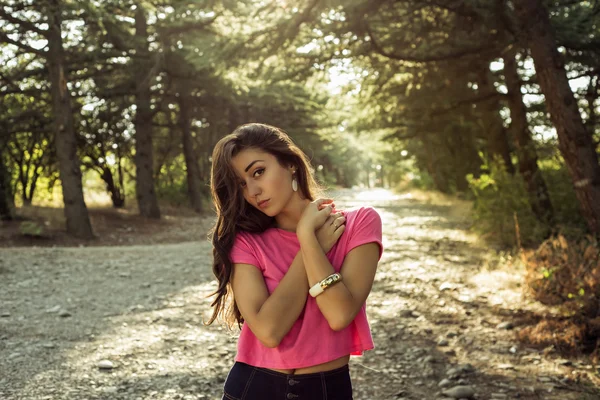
column 260, row 169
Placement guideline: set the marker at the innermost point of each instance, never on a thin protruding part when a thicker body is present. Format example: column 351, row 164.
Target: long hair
column 234, row 214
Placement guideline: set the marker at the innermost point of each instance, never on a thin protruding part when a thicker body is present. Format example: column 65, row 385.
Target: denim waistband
column 247, row 382
column 342, row 369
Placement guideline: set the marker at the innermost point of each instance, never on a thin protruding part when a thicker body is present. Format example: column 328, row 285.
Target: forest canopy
column 493, row 100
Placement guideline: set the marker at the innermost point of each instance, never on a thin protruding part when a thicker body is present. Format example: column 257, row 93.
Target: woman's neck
column 289, row 217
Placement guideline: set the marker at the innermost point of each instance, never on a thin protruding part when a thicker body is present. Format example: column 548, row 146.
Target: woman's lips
column 264, row 203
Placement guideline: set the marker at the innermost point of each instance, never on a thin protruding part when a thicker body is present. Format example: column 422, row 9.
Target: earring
column 294, row 184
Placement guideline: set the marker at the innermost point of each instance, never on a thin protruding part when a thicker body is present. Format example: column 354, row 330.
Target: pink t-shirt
column 310, row 341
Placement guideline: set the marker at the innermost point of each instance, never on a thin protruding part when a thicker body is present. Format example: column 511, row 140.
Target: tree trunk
column 338, row 177
column 575, row 141
column 121, row 177
column 234, row 117
column 24, row 197
column 191, row 160
column 498, row 144
column 24, row 179
column 7, row 205
column 462, row 148
column 33, row 184
column 591, row 96
column 76, row 213
column 144, row 161
column 327, row 168
column 526, row 153
column 117, row 197
column 440, row 183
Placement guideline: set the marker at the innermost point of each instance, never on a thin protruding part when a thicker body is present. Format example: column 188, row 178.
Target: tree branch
column 28, row 25
column 5, row 39
column 188, row 27
column 433, row 58
column 292, row 30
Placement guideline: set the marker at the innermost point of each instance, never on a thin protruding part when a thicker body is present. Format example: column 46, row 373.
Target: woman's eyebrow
column 251, row 164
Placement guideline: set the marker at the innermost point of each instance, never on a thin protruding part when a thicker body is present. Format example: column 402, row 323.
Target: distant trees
column 140, row 91
column 428, row 82
column 575, row 140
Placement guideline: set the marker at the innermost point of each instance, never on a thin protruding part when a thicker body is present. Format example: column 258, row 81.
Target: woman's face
column 266, row 185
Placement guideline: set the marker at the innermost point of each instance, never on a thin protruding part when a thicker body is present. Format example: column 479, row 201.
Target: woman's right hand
column 319, row 218
column 314, row 215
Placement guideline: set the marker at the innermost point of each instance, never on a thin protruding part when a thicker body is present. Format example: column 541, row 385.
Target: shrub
column 501, row 204
column 31, row 228
column 566, row 274
column 567, row 214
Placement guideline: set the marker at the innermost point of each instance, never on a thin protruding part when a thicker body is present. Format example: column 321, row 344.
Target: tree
column 539, row 198
column 497, row 138
column 143, row 72
column 575, row 141
column 191, row 159
column 7, row 204
column 51, row 12
column 77, row 218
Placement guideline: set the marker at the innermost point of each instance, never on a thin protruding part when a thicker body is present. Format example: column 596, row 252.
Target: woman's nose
column 254, row 189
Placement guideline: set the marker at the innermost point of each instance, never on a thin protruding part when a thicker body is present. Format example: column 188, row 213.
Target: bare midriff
column 328, row 366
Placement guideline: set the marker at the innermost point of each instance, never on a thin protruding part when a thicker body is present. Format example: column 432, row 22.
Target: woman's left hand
column 331, row 231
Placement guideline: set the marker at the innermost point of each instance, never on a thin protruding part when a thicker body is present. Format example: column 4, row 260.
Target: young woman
column 299, row 270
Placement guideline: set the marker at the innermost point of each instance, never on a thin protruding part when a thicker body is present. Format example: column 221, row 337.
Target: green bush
column 499, row 196
column 422, row 180
column 175, row 194
column 500, row 204
column 567, row 214
column 31, row 228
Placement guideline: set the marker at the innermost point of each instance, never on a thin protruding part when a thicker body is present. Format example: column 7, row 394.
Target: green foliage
column 499, row 196
column 422, row 180
column 31, row 228
column 501, row 204
column 566, row 206
column 171, row 185
column 410, row 105
column 175, row 194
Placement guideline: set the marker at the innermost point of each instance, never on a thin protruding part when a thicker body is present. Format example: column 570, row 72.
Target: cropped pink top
column 310, row 341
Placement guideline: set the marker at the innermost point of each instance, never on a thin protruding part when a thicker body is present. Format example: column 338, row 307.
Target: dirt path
column 435, row 309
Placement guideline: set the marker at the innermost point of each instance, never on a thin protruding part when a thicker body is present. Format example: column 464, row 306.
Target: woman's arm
column 270, row 318
column 341, row 302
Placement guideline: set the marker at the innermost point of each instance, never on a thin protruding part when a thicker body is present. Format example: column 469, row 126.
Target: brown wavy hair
column 234, row 214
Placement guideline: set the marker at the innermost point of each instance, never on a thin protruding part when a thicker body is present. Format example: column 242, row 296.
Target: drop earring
column 294, row 184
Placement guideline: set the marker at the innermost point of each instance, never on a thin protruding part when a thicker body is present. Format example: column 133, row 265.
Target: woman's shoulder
column 359, row 211
column 362, row 217
column 253, row 236
column 244, row 237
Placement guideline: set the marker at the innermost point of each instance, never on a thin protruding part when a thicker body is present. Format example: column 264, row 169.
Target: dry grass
column 566, row 275
column 565, row 335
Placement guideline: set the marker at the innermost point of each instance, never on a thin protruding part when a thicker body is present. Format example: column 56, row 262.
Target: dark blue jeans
column 245, row 382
